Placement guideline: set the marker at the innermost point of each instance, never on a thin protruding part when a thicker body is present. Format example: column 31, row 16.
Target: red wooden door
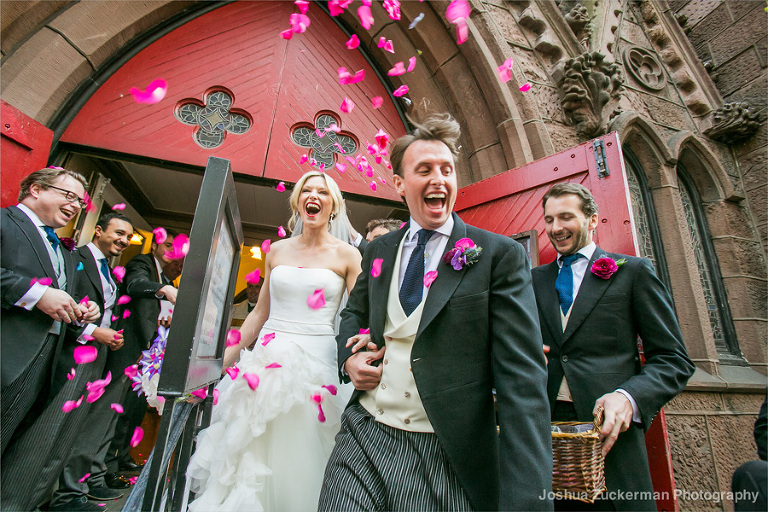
column 25, row 146
column 510, row 204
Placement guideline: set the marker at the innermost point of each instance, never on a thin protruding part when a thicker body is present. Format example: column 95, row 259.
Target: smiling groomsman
column 593, row 305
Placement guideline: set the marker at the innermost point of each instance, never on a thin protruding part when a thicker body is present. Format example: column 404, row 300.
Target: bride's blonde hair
column 333, row 188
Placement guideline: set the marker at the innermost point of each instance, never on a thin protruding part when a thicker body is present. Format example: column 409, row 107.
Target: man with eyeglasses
column 37, row 283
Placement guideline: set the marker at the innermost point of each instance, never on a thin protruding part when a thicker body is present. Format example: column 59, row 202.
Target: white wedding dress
column 266, row 449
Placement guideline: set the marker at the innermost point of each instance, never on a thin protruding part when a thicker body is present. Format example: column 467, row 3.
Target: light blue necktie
column 412, row 289
column 50, row 234
column 105, row 270
column 564, row 281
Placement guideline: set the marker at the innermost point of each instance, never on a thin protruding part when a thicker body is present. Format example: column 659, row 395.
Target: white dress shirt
column 433, row 252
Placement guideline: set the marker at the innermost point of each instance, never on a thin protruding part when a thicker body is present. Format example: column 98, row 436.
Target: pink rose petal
column 138, row 434
column 84, row 478
column 526, row 87
column 299, row 22
column 215, row 396
column 154, row 92
column 286, row 34
column 341, row 167
column 232, row 372
column 274, row 365
column 372, row 185
column 281, row 186
column 353, row 42
column 45, row 281
column 397, row 69
column 320, row 414
column 160, row 235
column 266, row 245
column 123, row 299
column 71, row 374
column 252, row 379
column 85, row 354
column 131, row 371
column 119, row 273
column 331, row 389
column 116, row 407
column 457, row 13
column 253, row 277
column 364, row 331
column 281, row 232
column 401, row 91
column 393, row 9
column 114, row 317
column 377, row 101
column 119, row 206
column 303, row 5
column 180, row 247
column 200, row 393
column 347, row 105
column 88, row 337
column 70, row 405
column 316, row 397
column 267, row 338
column 133, row 480
column 366, row 18
column 303, row 160
column 126, row 314
column 389, row 46
column 411, row 64
column 429, row 278
column 382, row 139
column 233, row 337
column 376, row 267
column 317, row 299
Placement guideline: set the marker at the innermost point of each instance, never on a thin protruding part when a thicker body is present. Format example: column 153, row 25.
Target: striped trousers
column 374, row 467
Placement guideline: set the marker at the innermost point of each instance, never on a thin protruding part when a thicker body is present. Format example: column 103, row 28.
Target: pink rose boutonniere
column 463, row 254
column 605, row 267
column 68, row 243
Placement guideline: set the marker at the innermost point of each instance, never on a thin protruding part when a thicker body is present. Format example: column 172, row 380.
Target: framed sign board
column 195, row 348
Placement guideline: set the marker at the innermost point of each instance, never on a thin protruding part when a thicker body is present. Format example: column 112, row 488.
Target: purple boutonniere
column 605, row 267
column 68, row 243
column 463, row 254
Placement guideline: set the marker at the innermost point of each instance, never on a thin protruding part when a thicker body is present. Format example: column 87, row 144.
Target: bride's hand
column 360, row 341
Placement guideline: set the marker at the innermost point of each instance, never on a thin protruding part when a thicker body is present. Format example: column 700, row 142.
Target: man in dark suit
column 111, row 237
column 33, row 323
column 420, row 431
column 592, row 306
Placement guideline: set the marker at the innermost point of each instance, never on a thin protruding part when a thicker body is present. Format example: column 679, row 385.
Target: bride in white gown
column 266, row 448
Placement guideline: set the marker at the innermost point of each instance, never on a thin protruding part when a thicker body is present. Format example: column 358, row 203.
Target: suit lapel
column 446, row 282
column 33, row 235
column 379, row 289
column 591, row 290
column 549, row 302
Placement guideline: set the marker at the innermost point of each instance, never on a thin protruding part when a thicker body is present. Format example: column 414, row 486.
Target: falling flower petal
column 131, row 371
column 84, row 300
column 389, row 46
column 505, row 70
column 429, row 278
column 286, row 34
column 281, row 232
column 401, row 91
column 233, row 337
column 71, row 374
column 160, row 235
column 114, row 317
column 274, row 365
column 252, row 379
column 253, row 277
column 126, row 314
column 331, row 389
column 364, row 331
column 215, row 396
column 154, row 92
column 393, row 9
column 345, row 77
column 266, row 246
column 372, row 185
column 457, row 13
column 337, row 7
column 85, row 354
column 118, row 273
column 138, row 434
column 303, row 5
column 377, row 101
column 123, row 299
column 366, row 18
column 411, row 64
column 119, row 206
column 320, row 414
column 84, row 478
column 376, row 267
column 133, row 480
column 71, row 404
column 397, row 69
column 45, row 281
column 116, row 407
column 303, row 160
column 526, row 87
column 281, row 186
column 180, row 247
column 88, row 337
column 347, row 105
column 382, row 139
column 232, row 372
column 353, row 42
column 317, row 299
column 341, row 167
column 416, row 21
column 200, row 393
column 88, row 202
column 316, row 397
column 267, row 338
column 79, row 266
column 299, row 22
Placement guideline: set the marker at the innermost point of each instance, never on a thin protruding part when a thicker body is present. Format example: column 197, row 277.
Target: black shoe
column 79, row 504
column 129, row 465
column 103, row 493
column 115, row 481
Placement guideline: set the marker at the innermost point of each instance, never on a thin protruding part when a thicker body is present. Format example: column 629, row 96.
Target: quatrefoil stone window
column 325, row 144
column 213, row 117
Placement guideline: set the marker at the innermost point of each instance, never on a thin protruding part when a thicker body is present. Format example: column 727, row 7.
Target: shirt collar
column 587, row 251
column 97, row 254
column 32, row 215
column 446, row 229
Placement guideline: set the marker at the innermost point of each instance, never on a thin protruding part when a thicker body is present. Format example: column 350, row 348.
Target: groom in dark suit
column 593, row 305
column 449, row 326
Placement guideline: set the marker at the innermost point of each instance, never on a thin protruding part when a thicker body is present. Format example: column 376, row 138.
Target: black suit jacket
column 23, row 255
column 598, row 354
column 141, row 283
column 478, row 331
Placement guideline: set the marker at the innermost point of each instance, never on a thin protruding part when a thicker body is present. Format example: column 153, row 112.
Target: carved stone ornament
column 578, row 20
column 587, row 84
column 733, row 122
column 645, row 67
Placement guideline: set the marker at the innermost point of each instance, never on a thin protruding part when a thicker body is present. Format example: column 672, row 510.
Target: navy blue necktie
column 564, row 281
column 105, row 269
column 50, row 234
column 412, row 289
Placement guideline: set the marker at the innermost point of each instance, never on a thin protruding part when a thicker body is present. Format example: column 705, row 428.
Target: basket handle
column 598, row 421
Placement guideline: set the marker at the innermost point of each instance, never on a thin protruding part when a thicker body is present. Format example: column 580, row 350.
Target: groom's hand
column 362, row 373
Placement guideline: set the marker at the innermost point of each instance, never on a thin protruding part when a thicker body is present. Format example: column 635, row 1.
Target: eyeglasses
column 71, row 196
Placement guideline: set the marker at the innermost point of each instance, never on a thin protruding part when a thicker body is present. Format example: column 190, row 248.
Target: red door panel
column 25, row 146
column 510, row 203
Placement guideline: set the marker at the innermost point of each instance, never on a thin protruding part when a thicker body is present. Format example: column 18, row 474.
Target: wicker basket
column 578, row 469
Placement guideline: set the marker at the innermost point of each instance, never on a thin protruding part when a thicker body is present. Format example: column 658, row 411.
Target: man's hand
column 169, row 292
column 165, row 321
column 364, row 376
column 617, row 416
column 109, row 337
column 91, row 312
column 58, row 305
column 361, row 340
